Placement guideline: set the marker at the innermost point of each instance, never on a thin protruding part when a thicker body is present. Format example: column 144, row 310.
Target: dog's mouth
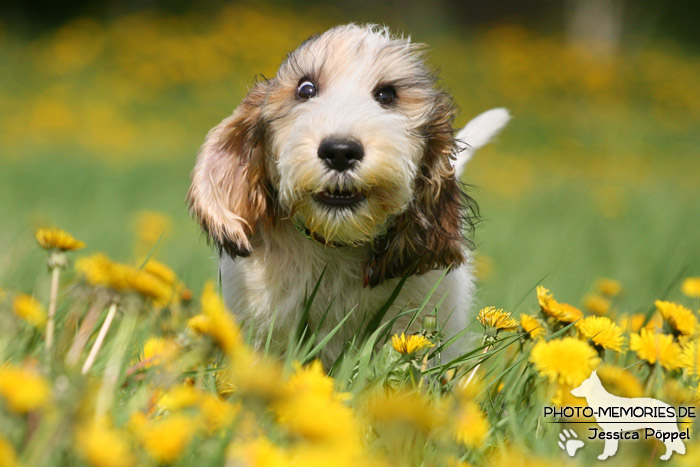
column 339, row 198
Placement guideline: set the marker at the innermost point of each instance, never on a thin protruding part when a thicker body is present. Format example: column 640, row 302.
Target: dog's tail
column 477, row 133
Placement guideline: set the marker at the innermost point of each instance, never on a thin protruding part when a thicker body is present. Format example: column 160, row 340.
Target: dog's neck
column 286, row 235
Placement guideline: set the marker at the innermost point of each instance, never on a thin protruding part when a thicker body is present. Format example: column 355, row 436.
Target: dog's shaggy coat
column 281, row 210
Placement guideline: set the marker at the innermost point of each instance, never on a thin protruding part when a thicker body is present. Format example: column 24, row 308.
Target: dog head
column 587, row 386
column 352, row 141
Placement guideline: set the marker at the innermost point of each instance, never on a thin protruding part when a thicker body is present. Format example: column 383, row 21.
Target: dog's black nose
column 340, row 154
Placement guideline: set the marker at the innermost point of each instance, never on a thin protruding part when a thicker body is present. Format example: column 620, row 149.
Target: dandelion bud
column 430, row 323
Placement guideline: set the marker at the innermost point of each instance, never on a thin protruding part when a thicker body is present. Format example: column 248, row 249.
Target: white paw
column 569, row 442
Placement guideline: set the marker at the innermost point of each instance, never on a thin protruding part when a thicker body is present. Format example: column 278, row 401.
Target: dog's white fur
column 257, row 173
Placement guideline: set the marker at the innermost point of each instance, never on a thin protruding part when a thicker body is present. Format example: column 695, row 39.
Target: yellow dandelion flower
column 250, row 375
column 220, row 324
column 678, row 393
column 50, row 239
column 8, row 457
column 559, row 311
column 311, row 391
column 217, row 413
column 652, row 347
column 410, row 344
column 619, row 381
column 159, row 351
column 179, row 397
column 596, row 304
column 532, row 326
column 161, row 271
column 30, row 310
column 471, row 426
column 567, row 361
column 103, row 446
column 260, row 452
column 680, row 319
column 691, row 287
column 99, row 270
column 148, row 285
column 23, row 389
column 200, row 324
column 601, row 331
column 632, row 323
column 405, row 409
column 608, row 287
column 496, row 318
column 563, row 398
column 690, row 358
column 166, row 439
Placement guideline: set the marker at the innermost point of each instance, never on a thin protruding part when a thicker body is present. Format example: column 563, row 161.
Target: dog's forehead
column 367, row 54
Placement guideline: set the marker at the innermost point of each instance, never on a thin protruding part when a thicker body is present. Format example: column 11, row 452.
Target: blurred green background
column 104, row 105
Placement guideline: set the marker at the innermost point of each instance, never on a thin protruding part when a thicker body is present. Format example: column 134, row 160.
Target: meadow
column 595, row 177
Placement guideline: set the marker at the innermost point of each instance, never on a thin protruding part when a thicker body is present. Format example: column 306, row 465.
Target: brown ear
column 430, row 234
column 229, row 193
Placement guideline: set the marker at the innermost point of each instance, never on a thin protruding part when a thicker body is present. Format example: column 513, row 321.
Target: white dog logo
column 617, row 415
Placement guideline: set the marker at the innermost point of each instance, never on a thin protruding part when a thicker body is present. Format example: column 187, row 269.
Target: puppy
column 344, row 162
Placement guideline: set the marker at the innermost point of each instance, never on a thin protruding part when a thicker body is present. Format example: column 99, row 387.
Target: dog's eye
column 306, row 89
column 385, row 95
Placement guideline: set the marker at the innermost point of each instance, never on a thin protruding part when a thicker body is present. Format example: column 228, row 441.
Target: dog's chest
column 273, row 283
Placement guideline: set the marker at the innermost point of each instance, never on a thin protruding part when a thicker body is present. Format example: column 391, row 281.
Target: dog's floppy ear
column 430, row 234
column 229, row 194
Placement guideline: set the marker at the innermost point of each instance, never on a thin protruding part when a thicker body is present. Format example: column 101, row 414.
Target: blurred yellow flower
column 161, row 271
column 50, row 239
column 217, row 413
column 680, row 319
column 101, row 445
column 632, row 323
column 101, row 271
column 310, row 391
column 654, row 346
column 8, row 457
column 602, row 331
column 159, row 351
column 691, row 287
column 410, row 344
column 471, row 426
column 30, row 310
column 532, row 326
column 619, row 381
column 678, row 393
column 258, row 452
column 690, row 358
column 596, row 304
column 559, row 311
column 405, row 409
column 149, row 227
column 166, row 439
column 608, row 287
column 492, row 317
column 23, row 389
column 251, row 375
column 217, row 322
column 179, row 397
column 567, row 361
